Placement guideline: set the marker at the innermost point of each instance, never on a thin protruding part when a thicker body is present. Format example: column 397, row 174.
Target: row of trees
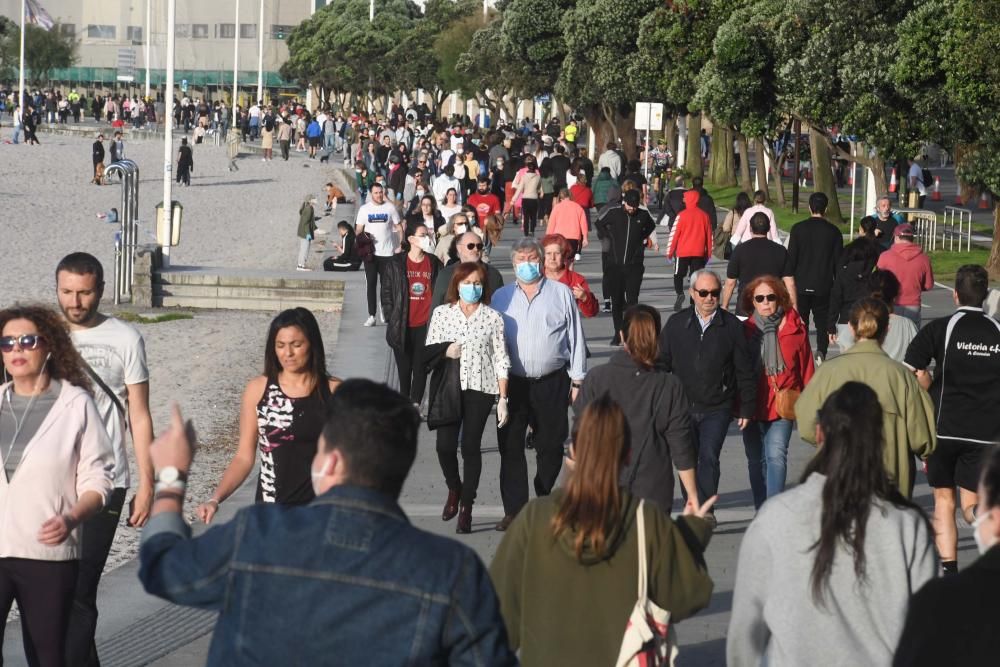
column 44, row 50
column 893, row 73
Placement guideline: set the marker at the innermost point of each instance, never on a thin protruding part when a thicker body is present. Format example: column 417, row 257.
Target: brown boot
column 464, row 524
column 505, row 523
column 451, row 505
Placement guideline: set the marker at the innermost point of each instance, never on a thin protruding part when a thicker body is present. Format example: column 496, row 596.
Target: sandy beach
column 244, row 219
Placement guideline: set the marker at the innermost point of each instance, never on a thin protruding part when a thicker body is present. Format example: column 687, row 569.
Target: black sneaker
column 615, row 341
column 679, row 303
column 607, row 306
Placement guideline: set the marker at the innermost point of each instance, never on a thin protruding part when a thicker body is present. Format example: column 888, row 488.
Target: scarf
column 770, row 351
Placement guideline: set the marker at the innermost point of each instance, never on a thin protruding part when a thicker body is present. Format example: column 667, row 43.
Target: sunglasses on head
column 761, row 298
column 705, row 293
column 473, row 246
column 25, row 342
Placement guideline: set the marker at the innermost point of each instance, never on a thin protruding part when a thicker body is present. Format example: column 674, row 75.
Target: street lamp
column 236, row 59
column 260, row 54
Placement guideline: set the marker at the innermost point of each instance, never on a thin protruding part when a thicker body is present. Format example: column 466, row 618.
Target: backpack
column 927, row 177
column 364, row 247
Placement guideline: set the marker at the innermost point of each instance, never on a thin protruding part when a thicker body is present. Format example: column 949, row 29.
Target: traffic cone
column 936, row 193
column 958, row 197
column 893, row 183
column 850, row 178
column 984, row 202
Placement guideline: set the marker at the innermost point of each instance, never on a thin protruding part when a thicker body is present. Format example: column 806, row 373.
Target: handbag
column 649, row 639
column 784, row 400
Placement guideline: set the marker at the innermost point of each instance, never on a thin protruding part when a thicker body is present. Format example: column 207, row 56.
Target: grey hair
column 885, row 197
column 524, row 244
column 704, row 272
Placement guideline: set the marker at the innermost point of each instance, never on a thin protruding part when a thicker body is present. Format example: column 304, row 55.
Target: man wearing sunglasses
column 115, row 359
column 706, row 348
column 470, row 249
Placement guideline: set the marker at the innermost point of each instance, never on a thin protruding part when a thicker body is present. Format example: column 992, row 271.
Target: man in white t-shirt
column 915, row 178
column 116, row 363
column 380, row 219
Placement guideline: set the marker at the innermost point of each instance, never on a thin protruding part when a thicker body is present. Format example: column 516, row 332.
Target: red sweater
column 692, row 232
column 793, row 338
column 588, row 306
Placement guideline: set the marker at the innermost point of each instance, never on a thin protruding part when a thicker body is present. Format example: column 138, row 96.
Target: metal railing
column 125, row 238
column 954, row 222
column 925, row 226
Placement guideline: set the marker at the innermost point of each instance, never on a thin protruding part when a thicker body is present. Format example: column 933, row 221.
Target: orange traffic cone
column 984, row 202
column 936, row 194
column 958, row 197
column 893, row 183
column 850, row 176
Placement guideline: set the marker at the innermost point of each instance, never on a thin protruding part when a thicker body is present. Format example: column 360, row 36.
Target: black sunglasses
column 761, row 298
column 473, row 246
column 705, row 293
column 25, row 342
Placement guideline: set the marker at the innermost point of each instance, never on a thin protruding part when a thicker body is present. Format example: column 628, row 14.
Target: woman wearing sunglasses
column 56, row 456
column 464, row 327
column 779, row 344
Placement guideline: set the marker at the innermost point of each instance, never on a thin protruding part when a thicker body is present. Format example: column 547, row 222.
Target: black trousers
column 683, row 267
column 529, row 209
column 819, row 307
column 410, row 364
column 476, row 410
column 374, row 272
column 543, row 402
column 624, row 282
column 605, row 281
column 44, row 593
column 98, row 533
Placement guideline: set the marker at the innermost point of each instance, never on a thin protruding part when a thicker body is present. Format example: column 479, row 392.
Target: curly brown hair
column 65, row 362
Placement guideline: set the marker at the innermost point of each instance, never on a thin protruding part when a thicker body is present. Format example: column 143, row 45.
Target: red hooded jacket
column 691, row 235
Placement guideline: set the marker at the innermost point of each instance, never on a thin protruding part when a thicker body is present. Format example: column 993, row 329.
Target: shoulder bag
column 649, row 639
column 784, row 400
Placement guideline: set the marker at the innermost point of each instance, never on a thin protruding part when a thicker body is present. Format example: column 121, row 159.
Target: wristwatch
column 170, row 478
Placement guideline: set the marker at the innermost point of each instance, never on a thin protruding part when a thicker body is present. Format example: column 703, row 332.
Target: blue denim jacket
column 345, row 580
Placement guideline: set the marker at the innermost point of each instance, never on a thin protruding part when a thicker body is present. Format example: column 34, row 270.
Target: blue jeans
column 708, row 430
column 766, row 445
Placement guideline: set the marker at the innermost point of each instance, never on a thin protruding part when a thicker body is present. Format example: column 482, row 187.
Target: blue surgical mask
column 527, row 272
column 470, row 293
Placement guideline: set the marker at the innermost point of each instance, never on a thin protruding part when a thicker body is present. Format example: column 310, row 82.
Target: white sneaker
column 381, row 318
column 577, row 258
column 370, row 322
column 301, row 268
column 321, row 232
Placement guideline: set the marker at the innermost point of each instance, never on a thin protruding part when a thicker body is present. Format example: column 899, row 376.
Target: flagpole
column 149, row 37
column 20, row 74
column 236, row 62
column 260, row 55
column 168, row 131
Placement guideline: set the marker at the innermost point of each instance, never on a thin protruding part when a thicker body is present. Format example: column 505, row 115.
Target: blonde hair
column 870, row 319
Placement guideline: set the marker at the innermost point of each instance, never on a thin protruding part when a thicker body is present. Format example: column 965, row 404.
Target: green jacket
column 908, row 412
column 601, row 185
column 307, row 221
column 561, row 611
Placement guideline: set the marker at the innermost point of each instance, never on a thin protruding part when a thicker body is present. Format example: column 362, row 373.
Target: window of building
column 225, row 30
column 280, row 31
column 134, row 34
column 67, row 29
column 101, row 31
column 199, row 30
column 248, row 31
column 182, row 30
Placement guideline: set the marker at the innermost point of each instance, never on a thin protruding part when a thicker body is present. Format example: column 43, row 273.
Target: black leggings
column 529, row 209
column 410, row 363
column 681, row 269
column 476, row 410
column 44, row 593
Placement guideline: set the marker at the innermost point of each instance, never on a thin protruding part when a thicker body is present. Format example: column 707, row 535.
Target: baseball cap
column 905, row 229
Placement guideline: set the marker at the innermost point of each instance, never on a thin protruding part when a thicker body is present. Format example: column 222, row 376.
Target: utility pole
column 168, row 132
column 236, row 61
column 260, row 54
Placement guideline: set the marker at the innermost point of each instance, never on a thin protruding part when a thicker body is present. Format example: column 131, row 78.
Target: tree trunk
column 722, row 168
column 692, row 162
column 993, row 265
column 823, row 180
column 670, row 136
column 777, row 163
column 758, row 156
column 745, row 183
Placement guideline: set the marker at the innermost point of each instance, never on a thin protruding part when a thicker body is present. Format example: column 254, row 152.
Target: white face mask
column 316, row 476
column 460, row 229
column 980, row 542
column 427, row 244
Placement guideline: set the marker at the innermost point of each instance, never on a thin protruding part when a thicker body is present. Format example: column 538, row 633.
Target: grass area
column 136, row 318
column 946, row 263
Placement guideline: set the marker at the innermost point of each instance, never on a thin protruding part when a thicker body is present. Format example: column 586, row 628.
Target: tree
column 532, row 34
column 44, row 51
column 492, row 75
column 9, row 36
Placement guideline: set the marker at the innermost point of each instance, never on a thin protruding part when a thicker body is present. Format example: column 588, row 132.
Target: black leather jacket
column 395, row 294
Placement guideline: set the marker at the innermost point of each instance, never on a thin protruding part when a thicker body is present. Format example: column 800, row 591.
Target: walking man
column 547, row 349
column 912, row 268
column 757, row 256
column 97, row 153
column 114, row 356
column 380, row 219
column 690, row 243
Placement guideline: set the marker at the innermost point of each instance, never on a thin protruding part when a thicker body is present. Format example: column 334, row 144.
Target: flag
column 36, row 14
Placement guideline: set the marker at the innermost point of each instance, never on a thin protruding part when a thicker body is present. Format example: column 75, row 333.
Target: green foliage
column 44, row 51
column 532, row 33
column 8, row 49
column 449, row 46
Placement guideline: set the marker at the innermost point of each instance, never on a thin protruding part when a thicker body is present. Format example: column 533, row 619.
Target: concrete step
column 227, row 291
column 244, row 289
column 312, row 280
column 246, row 303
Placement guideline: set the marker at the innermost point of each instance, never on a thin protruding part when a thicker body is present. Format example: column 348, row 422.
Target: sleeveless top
column 287, row 431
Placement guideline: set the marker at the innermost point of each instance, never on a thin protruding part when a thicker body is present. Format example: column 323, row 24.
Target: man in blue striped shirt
column 548, row 358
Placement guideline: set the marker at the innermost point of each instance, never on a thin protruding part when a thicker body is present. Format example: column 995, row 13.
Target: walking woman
column 56, row 457
column 364, row 179
column 907, row 410
column 407, row 287
column 779, row 342
column 185, row 163
column 828, row 568
column 655, row 408
column 527, row 191
column 474, row 334
column 428, row 214
column 281, row 415
column 306, row 230
column 581, row 544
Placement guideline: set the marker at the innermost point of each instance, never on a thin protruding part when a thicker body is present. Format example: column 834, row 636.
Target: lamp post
column 148, row 36
column 260, row 54
column 20, row 72
column 236, row 59
column 168, row 132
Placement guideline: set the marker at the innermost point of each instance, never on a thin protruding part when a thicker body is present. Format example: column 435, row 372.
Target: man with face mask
column 470, row 249
column 956, row 616
column 374, row 560
column 544, row 332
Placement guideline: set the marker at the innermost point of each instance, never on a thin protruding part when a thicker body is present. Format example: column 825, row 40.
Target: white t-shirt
column 917, row 172
column 379, row 220
column 117, row 353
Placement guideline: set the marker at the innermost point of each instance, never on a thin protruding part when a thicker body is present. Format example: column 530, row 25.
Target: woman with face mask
column 426, row 212
column 934, row 633
column 406, row 301
column 472, row 332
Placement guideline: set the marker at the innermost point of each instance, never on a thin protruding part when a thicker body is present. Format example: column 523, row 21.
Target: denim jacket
column 345, row 580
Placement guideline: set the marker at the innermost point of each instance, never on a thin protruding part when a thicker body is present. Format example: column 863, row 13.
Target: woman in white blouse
column 476, row 334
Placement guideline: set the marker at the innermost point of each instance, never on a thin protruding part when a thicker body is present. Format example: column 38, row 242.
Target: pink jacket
column 912, row 268
column 69, row 454
column 569, row 219
column 741, row 232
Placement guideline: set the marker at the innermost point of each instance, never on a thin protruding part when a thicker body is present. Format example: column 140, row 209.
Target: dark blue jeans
column 709, row 433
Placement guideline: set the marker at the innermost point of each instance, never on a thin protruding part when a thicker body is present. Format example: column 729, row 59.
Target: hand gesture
column 502, row 412
column 207, row 510
column 691, row 509
column 454, row 351
column 579, row 293
column 55, row 531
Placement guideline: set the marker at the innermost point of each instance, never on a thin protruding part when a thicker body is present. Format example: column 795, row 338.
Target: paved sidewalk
column 135, row 629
